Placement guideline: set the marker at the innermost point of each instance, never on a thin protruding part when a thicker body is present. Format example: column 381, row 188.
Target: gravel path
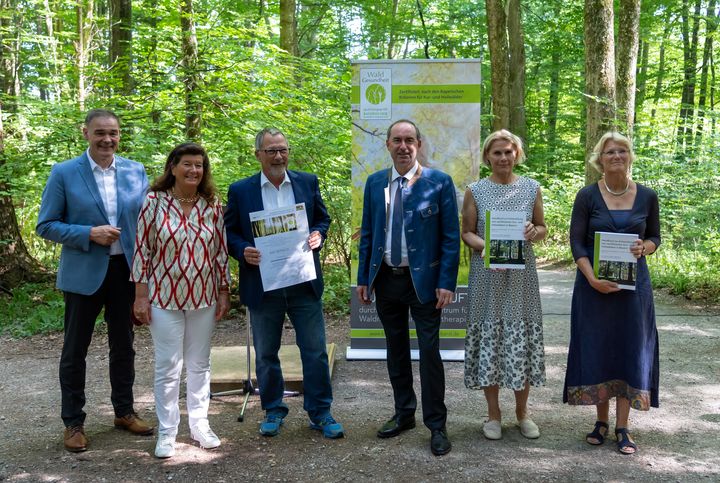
column 678, row 442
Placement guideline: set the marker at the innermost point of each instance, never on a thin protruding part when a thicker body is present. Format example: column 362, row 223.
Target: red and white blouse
column 183, row 259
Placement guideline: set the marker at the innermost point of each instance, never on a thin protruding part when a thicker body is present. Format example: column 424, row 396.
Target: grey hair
column 261, row 135
column 96, row 113
column 610, row 136
column 407, row 121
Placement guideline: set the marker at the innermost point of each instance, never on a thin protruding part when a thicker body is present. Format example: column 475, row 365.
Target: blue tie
column 397, row 225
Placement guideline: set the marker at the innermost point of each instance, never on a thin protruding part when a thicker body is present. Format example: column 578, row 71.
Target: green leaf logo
column 375, row 93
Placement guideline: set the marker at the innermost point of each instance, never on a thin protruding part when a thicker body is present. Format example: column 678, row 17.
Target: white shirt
column 388, row 236
column 106, row 180
column 273, row 197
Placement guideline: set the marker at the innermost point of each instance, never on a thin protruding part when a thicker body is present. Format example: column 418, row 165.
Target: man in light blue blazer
column 90, row 206
column 275, row 187
column 409, row 253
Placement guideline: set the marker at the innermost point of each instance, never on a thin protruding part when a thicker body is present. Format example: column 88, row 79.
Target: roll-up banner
column 443, row 98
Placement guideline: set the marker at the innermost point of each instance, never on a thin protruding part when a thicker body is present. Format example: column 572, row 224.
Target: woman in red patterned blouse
column 180, row 270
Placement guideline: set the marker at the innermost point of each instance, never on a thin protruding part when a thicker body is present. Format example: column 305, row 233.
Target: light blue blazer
column 432, row 231
column 71, row 205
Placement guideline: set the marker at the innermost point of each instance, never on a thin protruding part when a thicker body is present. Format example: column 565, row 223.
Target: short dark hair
column 95, row 113
column 166, row 181
column 407, row 121
column 268, row 130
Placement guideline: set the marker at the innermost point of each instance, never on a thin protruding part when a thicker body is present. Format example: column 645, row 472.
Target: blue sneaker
column 270, row 426
column 329, row 427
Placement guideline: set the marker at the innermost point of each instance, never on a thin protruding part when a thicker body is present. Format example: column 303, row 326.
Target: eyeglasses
column 613, row 152
column 273, row 152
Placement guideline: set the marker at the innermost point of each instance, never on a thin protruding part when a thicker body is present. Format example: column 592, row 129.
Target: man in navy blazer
column 409, row 253
column 274, row 187
column 90, row 205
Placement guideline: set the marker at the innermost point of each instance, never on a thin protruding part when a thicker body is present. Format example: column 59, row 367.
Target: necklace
column 191, row 199
column 627, row 186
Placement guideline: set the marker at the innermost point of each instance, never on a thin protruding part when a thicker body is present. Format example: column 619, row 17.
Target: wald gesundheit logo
column 375, row 94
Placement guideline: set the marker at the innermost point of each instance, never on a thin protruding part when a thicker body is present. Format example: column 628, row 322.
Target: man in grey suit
column 90, row 205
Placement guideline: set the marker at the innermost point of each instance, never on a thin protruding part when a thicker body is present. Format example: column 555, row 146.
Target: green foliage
column 336, row 298
column 33, row 309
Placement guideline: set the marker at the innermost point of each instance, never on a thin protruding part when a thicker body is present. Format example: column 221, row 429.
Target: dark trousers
column 116, row 295
column 395, row 300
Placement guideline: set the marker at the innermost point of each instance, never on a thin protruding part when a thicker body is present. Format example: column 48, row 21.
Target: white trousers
column 178, row 335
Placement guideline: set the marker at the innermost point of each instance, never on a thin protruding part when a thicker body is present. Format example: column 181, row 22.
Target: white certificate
column 505, row 239
column 281, row 235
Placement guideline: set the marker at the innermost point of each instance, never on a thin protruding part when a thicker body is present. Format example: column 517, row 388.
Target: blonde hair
column 504, row 135
column 598, row 149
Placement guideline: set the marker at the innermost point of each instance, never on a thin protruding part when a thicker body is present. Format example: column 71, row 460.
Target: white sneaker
column 492, row 429
column 165, row 447
column 529, row 429
column 205, row 436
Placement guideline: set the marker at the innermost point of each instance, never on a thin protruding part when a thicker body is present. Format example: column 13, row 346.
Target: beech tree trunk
column 121, row 43
column 191, row 78
column 16, row 264
column 626, row 63
column 288, row 27
column 84, row 13
column 711, row 27
column 642, row 75
column 554, row 84
column 393, row 26
column 687, row 107
column 498, row 46
column 516, row 69
column 599, row 76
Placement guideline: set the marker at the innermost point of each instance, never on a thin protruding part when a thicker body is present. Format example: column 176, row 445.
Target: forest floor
column 678, row 442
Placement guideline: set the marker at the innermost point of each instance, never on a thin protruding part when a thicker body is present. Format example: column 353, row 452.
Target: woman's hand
column 531, row 231
column 223, row 305
column 141, row 310
column 604, row 286
column 638, row 248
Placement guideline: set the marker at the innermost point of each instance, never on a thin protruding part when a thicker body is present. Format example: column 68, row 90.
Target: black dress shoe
column 439, row 442
column 395, row 426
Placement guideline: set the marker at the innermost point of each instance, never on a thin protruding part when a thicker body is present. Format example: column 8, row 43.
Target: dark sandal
column 596, row 434
column 624, row 444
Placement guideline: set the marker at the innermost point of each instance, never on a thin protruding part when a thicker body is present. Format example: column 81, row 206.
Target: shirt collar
column 94, row 165
column 409, row 175
column 264, row 180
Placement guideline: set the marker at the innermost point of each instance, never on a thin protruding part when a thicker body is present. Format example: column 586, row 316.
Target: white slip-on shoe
column 492, row 429
column 529, row 429
column 204, row 435
column 165, row 447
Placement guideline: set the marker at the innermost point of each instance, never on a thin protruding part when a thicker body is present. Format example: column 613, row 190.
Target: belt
column 397, row 270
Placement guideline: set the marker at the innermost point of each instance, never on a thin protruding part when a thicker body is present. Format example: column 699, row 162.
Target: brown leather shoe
column 134, row 424
column 75, row 439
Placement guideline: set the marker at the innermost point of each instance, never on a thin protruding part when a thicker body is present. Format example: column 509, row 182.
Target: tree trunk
column 516, row 69
column 84, row 12
column 393, row 27
column 16, row 264
column 498, row 45
column 711, row 27
column 642, row 76
column 554, row 83
column 661, row 66
column 599, row 76
column 121, row 43
column 288, row 27
column 626, row 63
column 687, row 107
column 191, row 78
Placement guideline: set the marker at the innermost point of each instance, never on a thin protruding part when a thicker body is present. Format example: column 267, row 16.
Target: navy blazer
column 71, row 206
column 432, row 231
column 244, row 197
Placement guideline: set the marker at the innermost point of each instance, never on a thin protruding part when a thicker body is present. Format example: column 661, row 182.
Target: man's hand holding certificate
column 284, row 246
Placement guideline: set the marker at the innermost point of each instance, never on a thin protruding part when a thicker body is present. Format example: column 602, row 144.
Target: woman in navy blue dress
column 613, row 339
